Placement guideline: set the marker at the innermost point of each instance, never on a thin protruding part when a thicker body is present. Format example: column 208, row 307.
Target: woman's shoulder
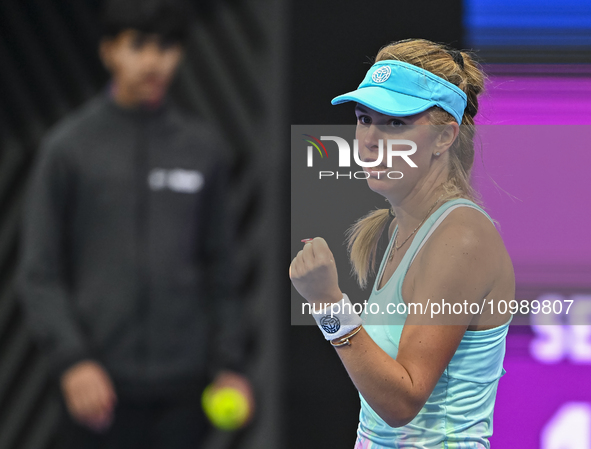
column 468, row 226
column 465, row 215
column 467, row 231
column 467, row 247
column 468, row 217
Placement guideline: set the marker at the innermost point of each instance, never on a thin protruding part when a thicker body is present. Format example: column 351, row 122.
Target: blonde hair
column 458, row 68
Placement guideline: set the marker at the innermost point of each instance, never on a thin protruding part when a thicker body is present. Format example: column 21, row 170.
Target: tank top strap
column 430, row 225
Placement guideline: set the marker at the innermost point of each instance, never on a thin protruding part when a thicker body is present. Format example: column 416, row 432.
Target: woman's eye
column 364, row 119
column 396, row 123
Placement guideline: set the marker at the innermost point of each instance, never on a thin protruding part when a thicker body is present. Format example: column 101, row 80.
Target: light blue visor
column 399, row 89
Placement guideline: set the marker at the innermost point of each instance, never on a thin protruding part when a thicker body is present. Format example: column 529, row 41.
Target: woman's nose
column 372, row 138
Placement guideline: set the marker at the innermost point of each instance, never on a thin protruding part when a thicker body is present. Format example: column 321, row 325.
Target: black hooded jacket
column 126, row 249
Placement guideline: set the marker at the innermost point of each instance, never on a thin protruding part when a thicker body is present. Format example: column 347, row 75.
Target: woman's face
column 399, row 179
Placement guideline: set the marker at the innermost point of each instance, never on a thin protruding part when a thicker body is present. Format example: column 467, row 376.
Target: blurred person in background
column 126, row 271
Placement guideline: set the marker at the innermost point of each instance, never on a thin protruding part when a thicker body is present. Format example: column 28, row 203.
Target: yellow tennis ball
column 226, row 408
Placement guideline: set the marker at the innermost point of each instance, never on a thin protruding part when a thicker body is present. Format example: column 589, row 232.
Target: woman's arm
column 459, row 264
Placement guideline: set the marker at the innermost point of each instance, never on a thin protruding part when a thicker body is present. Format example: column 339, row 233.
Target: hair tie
column 471, row 109
column 457, row 57
column 390, row 211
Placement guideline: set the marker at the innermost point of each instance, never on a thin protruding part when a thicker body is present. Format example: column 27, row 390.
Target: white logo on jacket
column 177, row 180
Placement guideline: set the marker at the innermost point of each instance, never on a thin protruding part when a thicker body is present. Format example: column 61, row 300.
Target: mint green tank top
column 459, row 412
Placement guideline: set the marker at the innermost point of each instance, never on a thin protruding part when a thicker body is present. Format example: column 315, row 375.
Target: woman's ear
column 446, row 137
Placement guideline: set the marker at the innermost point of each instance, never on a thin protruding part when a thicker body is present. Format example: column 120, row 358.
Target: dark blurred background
column 255, row 67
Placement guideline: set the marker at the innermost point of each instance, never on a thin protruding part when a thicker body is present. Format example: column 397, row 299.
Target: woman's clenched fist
column 314, row 274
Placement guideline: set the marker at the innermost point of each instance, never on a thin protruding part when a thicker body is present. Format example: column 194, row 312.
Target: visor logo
column 381, row 75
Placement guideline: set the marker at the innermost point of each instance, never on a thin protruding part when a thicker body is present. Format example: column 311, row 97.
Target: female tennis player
column 422, row 384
